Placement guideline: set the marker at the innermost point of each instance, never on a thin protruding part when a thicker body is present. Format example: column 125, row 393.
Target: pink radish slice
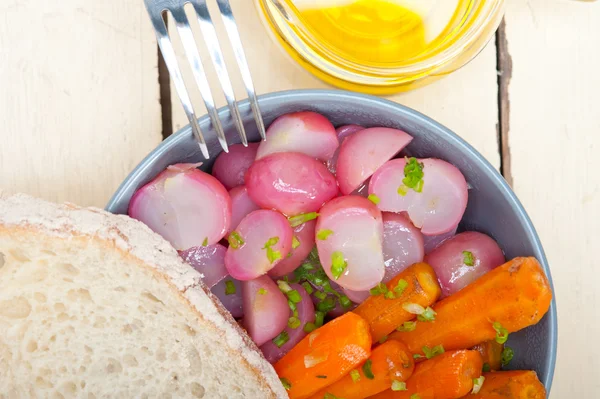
column 432, row 242
column 305, row 236
column 449, row 260
column 233, row 301
column 402, row 244
column 342, row 133
column 230, row 168
column 364, row 152
column 209, row 260
column 355, row 237
column 306, row 314
column 347, row 130
column 435, row 210
column 357, row 297
column 306, row 132
column 259, row 234
column 241, row 205
column 186, row 206
column 291, row 183
column 266, row 310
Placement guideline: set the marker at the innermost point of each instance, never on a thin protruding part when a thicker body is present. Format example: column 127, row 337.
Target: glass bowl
column 472, row 24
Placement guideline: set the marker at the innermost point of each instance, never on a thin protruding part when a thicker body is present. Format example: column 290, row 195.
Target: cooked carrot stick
column 325, row 355
column 446, row 376
column 385, row 314
column 510, row 385
column 491, row 353
column 390, row 361
column 512, row 296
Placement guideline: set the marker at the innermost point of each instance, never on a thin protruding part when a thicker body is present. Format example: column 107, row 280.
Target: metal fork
column 156, row 8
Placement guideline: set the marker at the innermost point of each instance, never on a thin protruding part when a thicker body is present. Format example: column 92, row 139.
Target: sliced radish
column 230, row 168
column 229, row 292
column 357, row 297
column 432, row 242
column 402, row 244
column 349, row 241
column 364, row 152
column 347, row 130
column 464, row 258
column 209, row 260
column 266, row 310
column 261, row 240
column 186, row 206
column 435, row 210
column 342, row 133
column 241, row 205
column 306, row 132
column 291, row 183
column 304, row 242
column 306, row 314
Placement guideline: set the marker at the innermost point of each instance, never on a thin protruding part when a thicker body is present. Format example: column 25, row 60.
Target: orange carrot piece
column 390, row 361
column 446, row 376
column 325, row 355
column 491, row 352
column 516, row 295
column 521, row 384
column 384, row 315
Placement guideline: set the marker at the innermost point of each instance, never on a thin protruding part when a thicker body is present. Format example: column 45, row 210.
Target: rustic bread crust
column 25, row 214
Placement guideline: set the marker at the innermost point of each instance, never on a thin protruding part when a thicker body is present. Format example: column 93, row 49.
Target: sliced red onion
column 306, row 132
column 464, row 258
column 209, row 260
column 350, row 238
column 437, row 209
column 266, row 310
column 291, row 183
column 241, row 206
column 230, row 167
column 261, row 240
column 186, row 206
column 232, row 301
column 305, row 240
column 306, row 314
column 402, row 244
column 364, row 152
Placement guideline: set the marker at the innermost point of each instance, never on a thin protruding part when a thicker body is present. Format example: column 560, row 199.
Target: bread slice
column 95, row 305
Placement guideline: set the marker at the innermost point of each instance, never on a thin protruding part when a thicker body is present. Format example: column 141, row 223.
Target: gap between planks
column 504, row 65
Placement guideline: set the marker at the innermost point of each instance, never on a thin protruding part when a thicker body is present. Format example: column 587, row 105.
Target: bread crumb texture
column 94, row 305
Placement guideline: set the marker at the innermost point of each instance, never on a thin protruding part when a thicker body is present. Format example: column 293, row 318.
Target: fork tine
column 168, row 53
column 238, row 49
column 212, row 42
column 191, row 50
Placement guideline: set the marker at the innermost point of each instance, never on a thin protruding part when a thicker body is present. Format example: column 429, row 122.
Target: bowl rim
column 409, row 113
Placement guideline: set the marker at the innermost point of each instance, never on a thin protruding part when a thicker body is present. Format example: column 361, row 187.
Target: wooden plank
column 554, row 142
column 465, row 101
column 79, row 100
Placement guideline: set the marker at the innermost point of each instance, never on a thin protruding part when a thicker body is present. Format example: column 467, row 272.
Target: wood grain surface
column 554, row 139
column 79, row 104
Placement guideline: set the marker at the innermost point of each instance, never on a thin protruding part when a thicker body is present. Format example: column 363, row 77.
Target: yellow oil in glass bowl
column 381, row 46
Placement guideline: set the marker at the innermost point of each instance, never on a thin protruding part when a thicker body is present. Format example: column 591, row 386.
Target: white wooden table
column 80, row 107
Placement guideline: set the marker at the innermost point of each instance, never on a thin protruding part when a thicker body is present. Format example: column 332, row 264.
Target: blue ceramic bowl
column 493, row 208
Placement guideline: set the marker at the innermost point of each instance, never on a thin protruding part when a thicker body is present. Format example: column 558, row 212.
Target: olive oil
column 381, row 46
column 376, row 31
